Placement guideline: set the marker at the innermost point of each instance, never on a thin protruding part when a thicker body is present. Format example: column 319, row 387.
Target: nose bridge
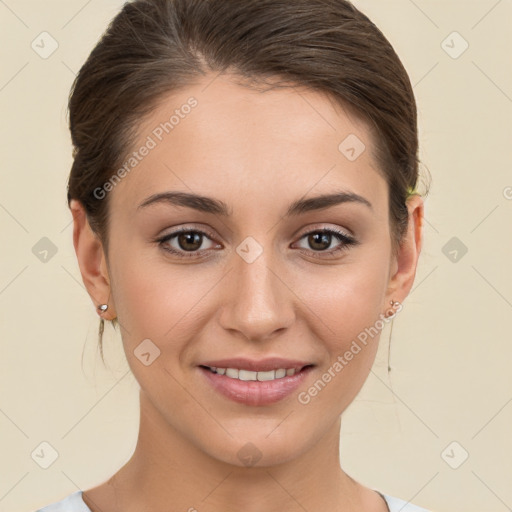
column 259, row 301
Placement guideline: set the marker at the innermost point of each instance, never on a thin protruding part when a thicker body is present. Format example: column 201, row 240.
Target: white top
column 75, row 503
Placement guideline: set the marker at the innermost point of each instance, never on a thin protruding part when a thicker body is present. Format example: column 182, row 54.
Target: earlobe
column 91, row 260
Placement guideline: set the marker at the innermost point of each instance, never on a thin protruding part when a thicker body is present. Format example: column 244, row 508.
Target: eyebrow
column 218, row 207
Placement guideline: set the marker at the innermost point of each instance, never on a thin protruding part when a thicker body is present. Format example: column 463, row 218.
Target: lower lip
column 254, row 392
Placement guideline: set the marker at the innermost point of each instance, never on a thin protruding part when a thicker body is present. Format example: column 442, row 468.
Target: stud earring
column 102, row 308
column 394, row 304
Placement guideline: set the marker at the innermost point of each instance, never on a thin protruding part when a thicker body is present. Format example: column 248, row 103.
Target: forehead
column 221, row 139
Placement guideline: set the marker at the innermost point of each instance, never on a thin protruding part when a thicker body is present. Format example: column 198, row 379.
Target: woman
column 244, row 205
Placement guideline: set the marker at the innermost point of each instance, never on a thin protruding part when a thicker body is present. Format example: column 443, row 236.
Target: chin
column 258, row 449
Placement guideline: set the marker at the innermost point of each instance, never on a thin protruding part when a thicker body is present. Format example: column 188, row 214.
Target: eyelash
column 339, row 235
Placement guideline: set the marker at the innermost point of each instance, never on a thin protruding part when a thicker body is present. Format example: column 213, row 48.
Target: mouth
column 255, row 388
column 252, row 375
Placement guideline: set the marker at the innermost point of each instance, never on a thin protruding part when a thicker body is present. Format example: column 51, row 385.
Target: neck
column 167, row 469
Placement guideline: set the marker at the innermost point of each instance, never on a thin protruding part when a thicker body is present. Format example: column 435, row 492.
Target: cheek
column 345, row 308
column 344, row 302
column 348, row 334
column 160, row 301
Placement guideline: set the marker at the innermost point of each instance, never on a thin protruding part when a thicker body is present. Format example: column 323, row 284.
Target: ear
column 405, row 264
column 91, row 260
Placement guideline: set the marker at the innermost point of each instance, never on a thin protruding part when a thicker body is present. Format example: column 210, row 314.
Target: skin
column 257, row 152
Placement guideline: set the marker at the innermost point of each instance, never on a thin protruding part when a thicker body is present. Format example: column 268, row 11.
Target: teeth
column 234, row 373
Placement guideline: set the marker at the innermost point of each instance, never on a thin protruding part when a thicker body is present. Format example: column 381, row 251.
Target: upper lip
column 261, row 365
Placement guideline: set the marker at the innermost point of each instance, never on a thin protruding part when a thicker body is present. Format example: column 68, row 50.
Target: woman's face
column 261, row 282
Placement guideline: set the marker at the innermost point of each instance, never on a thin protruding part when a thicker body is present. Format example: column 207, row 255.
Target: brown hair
column 154, row 47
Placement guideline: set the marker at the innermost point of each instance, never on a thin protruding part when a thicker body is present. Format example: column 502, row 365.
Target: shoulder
column 399, row 505
column 71, row 503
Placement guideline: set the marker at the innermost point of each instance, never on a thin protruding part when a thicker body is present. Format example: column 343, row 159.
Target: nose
column 258, row 301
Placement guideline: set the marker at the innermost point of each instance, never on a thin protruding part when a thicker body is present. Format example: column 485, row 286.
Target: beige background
column 451, row 348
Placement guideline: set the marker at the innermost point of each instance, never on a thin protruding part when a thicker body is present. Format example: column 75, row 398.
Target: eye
column 187, row 243
column 321, row 240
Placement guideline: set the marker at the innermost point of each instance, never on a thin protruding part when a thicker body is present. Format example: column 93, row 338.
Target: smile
column 255, row 388
column 235, row 373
